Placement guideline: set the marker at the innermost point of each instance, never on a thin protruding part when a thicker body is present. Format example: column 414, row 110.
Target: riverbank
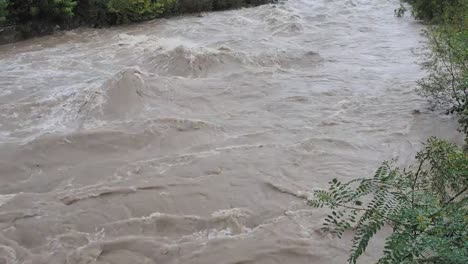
column 21, row 20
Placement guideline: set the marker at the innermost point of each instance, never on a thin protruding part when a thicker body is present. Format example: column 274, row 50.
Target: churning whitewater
column 198, row 139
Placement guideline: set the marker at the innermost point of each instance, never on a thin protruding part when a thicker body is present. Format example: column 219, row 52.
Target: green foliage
column 22, row 12
column 134, row 10
column 170, row 7
column 446, row 62
column 426, row 207
column 92, row 12
column 31, row 15
column 3, row 11
column 62, row 9
column 434, row 10
column 446, row 59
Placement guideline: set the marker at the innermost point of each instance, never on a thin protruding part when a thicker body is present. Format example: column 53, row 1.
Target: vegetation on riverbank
column 426, row 206
column 37, row 17
column 446, row 59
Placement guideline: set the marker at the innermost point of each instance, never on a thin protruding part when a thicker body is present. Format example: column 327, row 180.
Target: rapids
column 197, row 139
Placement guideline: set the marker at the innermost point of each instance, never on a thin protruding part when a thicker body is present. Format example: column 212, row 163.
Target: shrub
column 61, row 9
column 446, row 62
column 20, row 11
column 3, row 11
column 446, row 59
column 433, row 10
column 102, row 12
column 426, row 9
column 92, row 12
column 38, row 17
column 425, row 207
column 170, row 6
column 23, row 12
column 134, row 10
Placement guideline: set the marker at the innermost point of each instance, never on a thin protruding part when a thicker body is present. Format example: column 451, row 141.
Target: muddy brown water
column 197, row 139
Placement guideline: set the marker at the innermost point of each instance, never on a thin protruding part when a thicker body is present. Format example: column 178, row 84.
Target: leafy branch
column 425, row 207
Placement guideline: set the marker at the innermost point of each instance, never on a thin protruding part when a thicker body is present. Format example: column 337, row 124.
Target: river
column 196, row 139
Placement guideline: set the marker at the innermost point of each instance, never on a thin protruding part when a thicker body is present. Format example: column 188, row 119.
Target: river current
column 197, row 139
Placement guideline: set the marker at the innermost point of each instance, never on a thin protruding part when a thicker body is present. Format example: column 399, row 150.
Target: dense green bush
column 61, row 9
column 19, row 12
column 92, row 12
column 125, row 11
column 434, row 10
column 425, row 206
column 26, row 11
column 36, row 17
column 3, row 11
column 170, row 7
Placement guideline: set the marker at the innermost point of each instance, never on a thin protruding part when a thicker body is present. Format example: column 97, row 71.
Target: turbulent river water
column 197, row 139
